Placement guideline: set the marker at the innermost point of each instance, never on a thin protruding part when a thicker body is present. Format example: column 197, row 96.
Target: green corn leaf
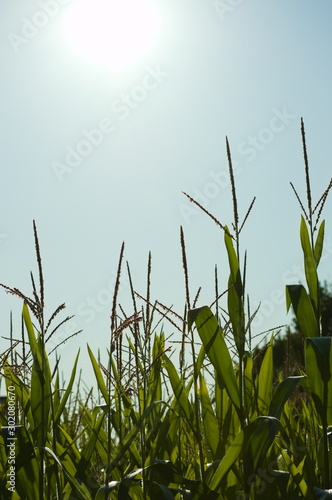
column 31, row 334
column 60, row 407
column 71, row 442
column 319, row 243
column 161, row 491
column 310, row 264
column 170, row 474
column 210, row 422
column 56, row 394
column 248, row 383
column 281, row 394
column 166, row 439
column 260, row 435
column 128, row 439
column 219, row 402
column 90, row 446
column 296, row 474
column 318, row 360
column 155, row 383
column 99, row 377
column 232, row 454
column 265, row 380
column 233, row 263
column 216, row 350
column 79, row 486
column 180, row 391
column 166, row 470
column 127, row 408
column 236, row 314
column 235, row 296
column 297, row 296
column 40, row 396
column 41, row 392
column 199, row 361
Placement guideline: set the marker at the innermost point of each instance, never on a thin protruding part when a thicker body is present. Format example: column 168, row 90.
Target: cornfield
column 209, row 427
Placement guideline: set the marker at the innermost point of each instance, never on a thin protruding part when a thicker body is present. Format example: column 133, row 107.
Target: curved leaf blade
column 297, row 296
column 216, row 350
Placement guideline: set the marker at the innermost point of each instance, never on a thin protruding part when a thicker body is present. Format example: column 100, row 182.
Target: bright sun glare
column 113, row 33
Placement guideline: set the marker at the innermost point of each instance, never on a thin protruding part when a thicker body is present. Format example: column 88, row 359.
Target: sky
column 98, row 143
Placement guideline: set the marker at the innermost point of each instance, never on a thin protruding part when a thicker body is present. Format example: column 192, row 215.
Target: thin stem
column 185, row 267
column 235, row 207
column 40, row 316
column 40, row 269
column 224, row 228
column 307, row 177
column 216, row 287
column 111, row 349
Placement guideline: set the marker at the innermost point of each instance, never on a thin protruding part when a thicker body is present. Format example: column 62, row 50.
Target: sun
column 113, row 33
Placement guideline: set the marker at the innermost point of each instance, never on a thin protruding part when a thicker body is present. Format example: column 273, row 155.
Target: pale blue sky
column 246, row 69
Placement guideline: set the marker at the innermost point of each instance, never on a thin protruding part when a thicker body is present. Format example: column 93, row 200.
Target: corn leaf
column 31, row 334
column 281, row 394
column 90, row 446
column 170, row 475
column 216, row 350
column 235, row 296
column 265, row 380
column 310, row 264
column 128, row 439
column 210, row 423
column 154, row 382
column 318, row 359
column 60, row 407
column 180, row 391
column 230, row 457
column 99, row 377
column 248, row 383
column 40, row 395
column 296, row 474
column 260, row 435
column 319, row 243
column 303, row 309
column 79, row 486
column 41, row 392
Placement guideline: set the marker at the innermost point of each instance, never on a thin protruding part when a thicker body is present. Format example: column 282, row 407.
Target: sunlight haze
column 111, row 32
